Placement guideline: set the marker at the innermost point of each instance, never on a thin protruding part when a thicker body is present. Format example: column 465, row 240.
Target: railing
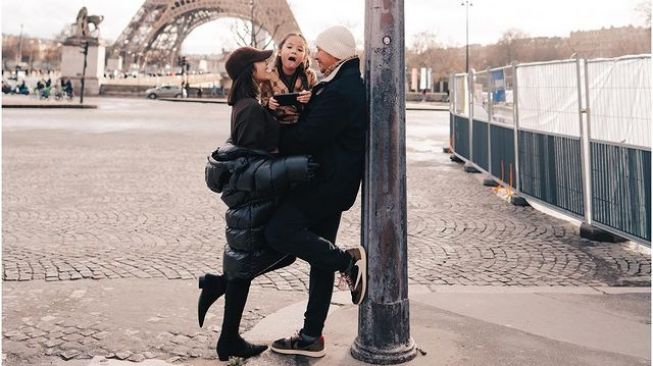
column 574, row 135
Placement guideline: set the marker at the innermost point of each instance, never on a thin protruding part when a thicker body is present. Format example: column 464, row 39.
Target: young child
column 289, row 74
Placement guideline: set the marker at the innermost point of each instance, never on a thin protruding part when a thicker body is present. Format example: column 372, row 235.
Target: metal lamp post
column 84, row 51
column 383, row 321
column 466, row 4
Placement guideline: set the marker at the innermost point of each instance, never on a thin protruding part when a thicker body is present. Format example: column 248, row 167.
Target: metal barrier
column 619, row 103
column 548, row 100
column 461, row 131
column 480, row 99
column 574, row 135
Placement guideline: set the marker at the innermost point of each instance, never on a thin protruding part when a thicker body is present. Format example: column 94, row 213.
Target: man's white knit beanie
column 337, row 41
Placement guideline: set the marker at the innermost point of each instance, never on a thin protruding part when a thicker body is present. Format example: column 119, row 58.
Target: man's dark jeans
column 308, row 235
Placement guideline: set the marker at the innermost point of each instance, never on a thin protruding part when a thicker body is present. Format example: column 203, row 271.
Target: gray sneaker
column 356, row 275
column 295, row 345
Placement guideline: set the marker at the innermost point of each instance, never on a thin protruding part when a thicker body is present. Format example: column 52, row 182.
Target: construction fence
column 574, row 135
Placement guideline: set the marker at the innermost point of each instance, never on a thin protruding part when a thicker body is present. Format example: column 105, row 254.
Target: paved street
column 107, row 223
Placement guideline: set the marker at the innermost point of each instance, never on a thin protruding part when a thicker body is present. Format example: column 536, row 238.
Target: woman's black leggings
column 235, row 298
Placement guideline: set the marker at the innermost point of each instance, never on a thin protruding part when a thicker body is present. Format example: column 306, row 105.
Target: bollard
column 383, row 321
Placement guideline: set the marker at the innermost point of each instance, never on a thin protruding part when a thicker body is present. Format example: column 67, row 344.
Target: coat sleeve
column 249, row 129
column 273, row 176
column 325, row 122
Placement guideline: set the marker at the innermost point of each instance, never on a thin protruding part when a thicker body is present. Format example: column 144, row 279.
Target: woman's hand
column 304, row 96
column 273, row 104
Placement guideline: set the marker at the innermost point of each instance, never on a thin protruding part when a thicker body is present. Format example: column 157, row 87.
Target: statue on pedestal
column 82, row 29
column 84, row 72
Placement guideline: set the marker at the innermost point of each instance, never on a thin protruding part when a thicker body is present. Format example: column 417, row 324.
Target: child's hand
column 273, row 104
column 304, row 96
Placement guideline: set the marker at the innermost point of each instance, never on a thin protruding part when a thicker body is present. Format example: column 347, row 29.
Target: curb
column 48, row 106
column 194, row 100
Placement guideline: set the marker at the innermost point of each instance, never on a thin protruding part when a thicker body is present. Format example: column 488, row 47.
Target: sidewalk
column 496, row 326
column 29, row 101
column 484, row 326
column 103, row 262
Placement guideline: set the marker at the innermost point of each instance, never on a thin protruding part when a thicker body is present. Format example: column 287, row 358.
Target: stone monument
column 72, row 57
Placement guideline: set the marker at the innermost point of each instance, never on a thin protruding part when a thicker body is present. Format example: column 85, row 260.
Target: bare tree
column 424, row 41
column 251, row 34
column 508, row 45
column 9, row 50
column 643, row 9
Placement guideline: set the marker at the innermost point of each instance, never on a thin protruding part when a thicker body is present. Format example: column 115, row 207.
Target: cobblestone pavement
column 117, row 193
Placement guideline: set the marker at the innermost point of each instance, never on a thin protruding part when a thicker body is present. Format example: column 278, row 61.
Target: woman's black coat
column 251, row 181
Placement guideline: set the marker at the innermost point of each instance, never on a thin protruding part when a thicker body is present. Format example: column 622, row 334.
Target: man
column 331, row 129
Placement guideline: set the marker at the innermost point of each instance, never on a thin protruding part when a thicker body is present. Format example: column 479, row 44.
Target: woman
column 290, row 74
column 250, row 179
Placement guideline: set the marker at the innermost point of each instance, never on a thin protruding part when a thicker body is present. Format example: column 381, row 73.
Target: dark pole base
column 469, row 168
column 446, row 150
column 384, row 357
column 590, row 232
column 455, row 159
column 519, row 201
column 489, row 182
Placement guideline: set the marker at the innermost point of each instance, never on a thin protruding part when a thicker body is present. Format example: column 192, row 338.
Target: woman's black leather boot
column 213, row 286
column 237, row 347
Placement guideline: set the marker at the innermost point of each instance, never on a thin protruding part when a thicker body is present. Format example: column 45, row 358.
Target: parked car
column 166, row 91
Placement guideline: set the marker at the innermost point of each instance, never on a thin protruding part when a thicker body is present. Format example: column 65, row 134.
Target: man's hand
column 304, row 96
column 273, row 104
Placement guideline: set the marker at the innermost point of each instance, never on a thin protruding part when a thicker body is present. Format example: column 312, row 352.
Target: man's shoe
column 356, row 274
column 213, row 287
column 296, row 345
column 237, row 348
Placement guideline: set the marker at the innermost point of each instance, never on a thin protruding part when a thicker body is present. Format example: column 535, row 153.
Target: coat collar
column 345, row 68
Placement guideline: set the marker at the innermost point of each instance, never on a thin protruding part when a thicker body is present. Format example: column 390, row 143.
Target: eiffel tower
column 155, row 34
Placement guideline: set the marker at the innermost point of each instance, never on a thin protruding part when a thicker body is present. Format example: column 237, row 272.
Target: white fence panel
column 548, row 98
column 461, row 106
column 620, row 100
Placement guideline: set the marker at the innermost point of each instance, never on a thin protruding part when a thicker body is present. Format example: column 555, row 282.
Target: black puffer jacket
column 251, row 182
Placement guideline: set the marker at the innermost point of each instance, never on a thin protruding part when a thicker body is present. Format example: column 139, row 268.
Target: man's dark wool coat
column 331, row 129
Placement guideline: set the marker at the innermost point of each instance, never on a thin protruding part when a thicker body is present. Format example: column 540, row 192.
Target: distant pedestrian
column 68, row 88
column 199, row 92
column 187, row 89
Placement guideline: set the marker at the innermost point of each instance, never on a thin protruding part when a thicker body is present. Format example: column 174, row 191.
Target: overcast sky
column 446, row 18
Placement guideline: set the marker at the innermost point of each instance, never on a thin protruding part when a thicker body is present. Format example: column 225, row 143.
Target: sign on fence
column 499, row 86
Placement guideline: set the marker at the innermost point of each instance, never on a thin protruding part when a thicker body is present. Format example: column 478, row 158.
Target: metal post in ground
column 516, row 199
column 383, row 322
column 470, row 165
column 489, row 180
column 85, row 52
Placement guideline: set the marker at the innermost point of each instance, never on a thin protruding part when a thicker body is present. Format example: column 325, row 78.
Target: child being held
column 290, row 74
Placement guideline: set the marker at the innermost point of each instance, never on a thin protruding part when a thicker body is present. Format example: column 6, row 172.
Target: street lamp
column 466, row 4
column 251, row 17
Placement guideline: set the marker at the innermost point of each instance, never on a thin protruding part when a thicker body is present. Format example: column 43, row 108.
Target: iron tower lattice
column 155, row 34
